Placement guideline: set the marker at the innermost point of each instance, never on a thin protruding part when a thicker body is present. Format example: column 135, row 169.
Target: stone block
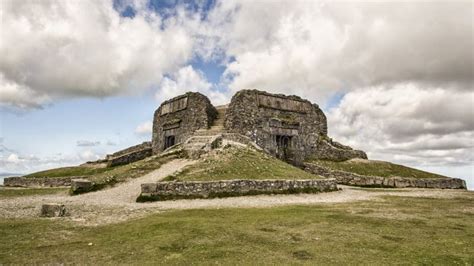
column 80, row 186
column 53, row 210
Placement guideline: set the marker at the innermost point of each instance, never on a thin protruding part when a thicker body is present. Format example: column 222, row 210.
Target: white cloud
column 13, row 158
column 408, row 124
column 314, row 48
column 188, row 79
column 144, row 128
column 20, row 163
column 53, row 49
column 87, row 143
column 89, row 155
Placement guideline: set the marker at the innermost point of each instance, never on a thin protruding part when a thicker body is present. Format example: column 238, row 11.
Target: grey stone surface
column 38, row 182
column 352, row 179
column 53, row 210
column 226, row 188
column 180, row 117
column 130, row 157
column 265, row 117
column 136, row 148
column 80, row 185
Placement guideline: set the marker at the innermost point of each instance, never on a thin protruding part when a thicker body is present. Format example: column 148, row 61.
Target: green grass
column 69, row 171
column 240, row 163
column 397, row 230
column 21, row 192
column 103, row 177
column 136, row 169
column 376, row 168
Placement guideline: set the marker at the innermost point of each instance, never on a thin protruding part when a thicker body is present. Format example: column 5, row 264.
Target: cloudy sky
column 80, row 79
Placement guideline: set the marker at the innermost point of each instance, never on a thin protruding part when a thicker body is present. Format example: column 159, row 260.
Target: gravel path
column 118, row 203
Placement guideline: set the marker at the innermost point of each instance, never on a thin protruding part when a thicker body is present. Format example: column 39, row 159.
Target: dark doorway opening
column 283, row 143
column 169, row 141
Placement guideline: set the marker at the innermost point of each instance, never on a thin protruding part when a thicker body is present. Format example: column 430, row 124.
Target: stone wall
column 130, row 157
column 180, row 117
column 270, row 118
column 135, row 148
column 351, row 179
column 230, row 188
column 39, row 182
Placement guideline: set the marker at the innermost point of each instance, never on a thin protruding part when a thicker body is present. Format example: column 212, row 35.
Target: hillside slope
column 235, row 162
column 375, row 168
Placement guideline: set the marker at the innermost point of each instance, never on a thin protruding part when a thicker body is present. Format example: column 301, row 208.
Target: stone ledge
column 231, row 188
column 39, row 181
column 351, row 179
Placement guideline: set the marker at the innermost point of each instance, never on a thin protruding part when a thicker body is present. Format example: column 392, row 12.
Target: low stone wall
column 130, row 157
column 39, row 182
column 351, row 179
column 231, row 188
column 135, row 148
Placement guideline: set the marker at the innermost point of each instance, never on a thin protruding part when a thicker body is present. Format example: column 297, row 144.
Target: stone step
column 208, row 133
column 199, row 139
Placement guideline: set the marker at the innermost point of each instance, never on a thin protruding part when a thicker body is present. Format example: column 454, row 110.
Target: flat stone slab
column 53, row 210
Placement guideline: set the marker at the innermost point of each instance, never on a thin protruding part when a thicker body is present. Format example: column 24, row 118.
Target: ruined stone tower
column 288, row 127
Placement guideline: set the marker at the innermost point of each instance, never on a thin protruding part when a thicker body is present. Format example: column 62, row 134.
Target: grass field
column 241, row 163
column 69, row 171
column 22, row 192
column 108, row 176
column 376, row 168
column 397, row 230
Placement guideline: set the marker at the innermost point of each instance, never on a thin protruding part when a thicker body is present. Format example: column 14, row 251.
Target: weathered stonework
column 143, row 146
column 178, row 118
column 53, row 210
column 288, row 127
column 230, row 188
column 346, row 178
column 129, row 157
column 79, row 186
column 38, row 181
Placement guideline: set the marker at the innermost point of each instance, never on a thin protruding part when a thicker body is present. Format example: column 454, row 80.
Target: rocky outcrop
column 39, row 181
column 231, row 188
column 351, row 179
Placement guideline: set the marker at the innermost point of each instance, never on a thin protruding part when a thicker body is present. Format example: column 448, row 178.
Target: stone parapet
column 351, row 179
column 231, row 188
column 136, row 148
column 130, row 157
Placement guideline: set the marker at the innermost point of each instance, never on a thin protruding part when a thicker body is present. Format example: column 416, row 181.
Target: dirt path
column 118, row 203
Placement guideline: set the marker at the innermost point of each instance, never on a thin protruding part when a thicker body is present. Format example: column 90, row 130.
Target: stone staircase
column 205, row 139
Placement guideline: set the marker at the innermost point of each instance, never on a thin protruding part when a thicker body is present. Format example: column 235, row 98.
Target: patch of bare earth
column 118, row 204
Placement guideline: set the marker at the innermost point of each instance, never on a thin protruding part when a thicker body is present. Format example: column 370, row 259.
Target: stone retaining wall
column 130, row 157
column 230, row 188
column 346, row 178
column 39, row 181
column 135, row 148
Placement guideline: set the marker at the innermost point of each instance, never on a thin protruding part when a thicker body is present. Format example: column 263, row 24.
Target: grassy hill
column 375, row 168
column 240, row 163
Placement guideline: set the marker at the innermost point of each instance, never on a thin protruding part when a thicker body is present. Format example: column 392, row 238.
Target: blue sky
column 87, row 81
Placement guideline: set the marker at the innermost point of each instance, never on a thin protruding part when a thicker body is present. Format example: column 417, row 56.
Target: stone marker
column 53, row 210
column 80, row 185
